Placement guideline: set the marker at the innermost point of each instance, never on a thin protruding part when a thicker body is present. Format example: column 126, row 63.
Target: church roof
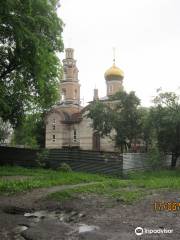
column 104, row 98
column 74, row 118
column 114, row 73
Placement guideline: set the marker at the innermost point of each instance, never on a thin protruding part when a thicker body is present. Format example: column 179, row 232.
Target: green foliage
column 38, row 178
column 127, row 120
column 132, row 189
column 147, row 131
column 155, row 158
column 5, row 131
column 29, row 66
column 156, row 174
column 130, row 196
column 165, row 117
column 102, row 189
column 156, row 179
column 41, row 157
column 31, row 131
column 121, row 114
column 64, row 167
column 102, row 119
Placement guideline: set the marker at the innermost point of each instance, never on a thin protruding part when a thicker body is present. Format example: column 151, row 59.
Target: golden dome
column 114, row 73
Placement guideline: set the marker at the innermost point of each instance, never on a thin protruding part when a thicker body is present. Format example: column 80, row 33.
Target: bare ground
column 107, row 219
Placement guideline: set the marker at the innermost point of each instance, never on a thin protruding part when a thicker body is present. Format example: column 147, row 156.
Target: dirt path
column 31, row 199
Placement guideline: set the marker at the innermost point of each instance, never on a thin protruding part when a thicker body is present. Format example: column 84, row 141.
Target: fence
column 18, row 156
column 79, row 160
column 137, row 161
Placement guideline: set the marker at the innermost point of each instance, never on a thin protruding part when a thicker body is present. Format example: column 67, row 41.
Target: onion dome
column 114, row 73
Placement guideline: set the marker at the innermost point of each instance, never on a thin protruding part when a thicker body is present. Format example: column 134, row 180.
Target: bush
column 41, row 158
column 155, row 158
column 64, row 167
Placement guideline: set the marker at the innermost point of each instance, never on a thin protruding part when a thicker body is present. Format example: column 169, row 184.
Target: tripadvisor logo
column 139, row 231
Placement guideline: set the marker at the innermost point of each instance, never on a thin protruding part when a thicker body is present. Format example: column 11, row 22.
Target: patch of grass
column 169, row 179
column 128, row 190
column 154, row 174
column 102, row 189
column 41, row 178
column 129, row 196
column 156, row 183
column 20, row 171
column 135, row 187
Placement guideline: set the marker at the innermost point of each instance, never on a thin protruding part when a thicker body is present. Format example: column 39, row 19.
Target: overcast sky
column 145, row 33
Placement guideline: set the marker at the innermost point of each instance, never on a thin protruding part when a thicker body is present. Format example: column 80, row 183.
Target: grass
column 133, row 188
column 169, row 179
column 38, row 178
column 101, row 189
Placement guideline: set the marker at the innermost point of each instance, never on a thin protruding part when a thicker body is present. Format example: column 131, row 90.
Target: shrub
column 64, row 167
column 41, row 158
column 155, row 158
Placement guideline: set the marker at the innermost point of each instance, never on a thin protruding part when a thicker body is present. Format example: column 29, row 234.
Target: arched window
column 65, row 73
column 54, row 138
column 54, row 124
column 63, row 95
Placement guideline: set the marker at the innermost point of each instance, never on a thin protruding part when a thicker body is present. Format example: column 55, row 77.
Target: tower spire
column 69, row 42
column 114, row 56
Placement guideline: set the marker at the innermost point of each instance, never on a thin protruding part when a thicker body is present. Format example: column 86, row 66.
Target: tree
column 5, row 131
column 148, row 134
column 165, row 116
column 30, row 37
column 31, row 133
column 119, row 115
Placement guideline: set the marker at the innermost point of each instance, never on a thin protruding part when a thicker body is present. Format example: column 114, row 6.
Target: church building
column 66, row 123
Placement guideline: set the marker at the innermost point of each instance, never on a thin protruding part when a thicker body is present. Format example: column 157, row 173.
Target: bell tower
column 70, row 87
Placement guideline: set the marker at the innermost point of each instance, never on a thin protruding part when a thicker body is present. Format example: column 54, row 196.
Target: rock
column 19, row 229
column 37, row 214
column 73, row 214
column 80, row 215
column 87, row 228
column 46, row 230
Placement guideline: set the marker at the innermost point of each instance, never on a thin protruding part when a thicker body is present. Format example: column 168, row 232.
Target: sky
column 145, row 34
